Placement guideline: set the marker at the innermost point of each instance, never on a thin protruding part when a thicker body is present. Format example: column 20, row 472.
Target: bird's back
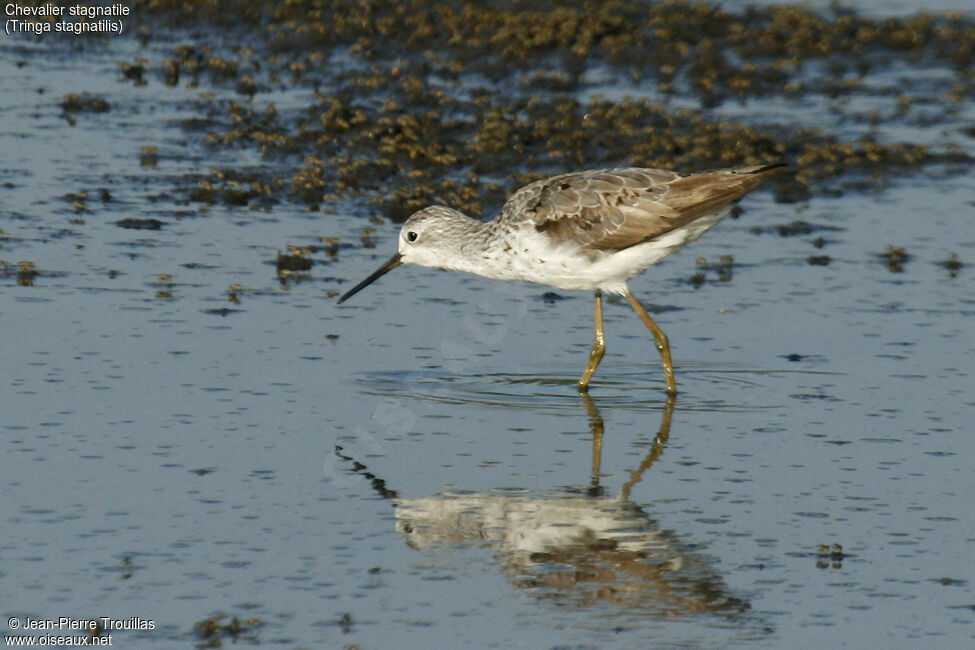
column 614, row 209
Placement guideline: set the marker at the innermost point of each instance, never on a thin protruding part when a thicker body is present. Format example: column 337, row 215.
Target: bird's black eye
column 411, row 236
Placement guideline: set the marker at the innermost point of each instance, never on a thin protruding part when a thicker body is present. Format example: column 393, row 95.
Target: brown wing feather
column 617, row 208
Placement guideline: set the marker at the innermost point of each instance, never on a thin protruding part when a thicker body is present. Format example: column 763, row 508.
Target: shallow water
column 414, row 468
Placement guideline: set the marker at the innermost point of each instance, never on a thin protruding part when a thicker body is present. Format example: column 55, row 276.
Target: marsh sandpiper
column 591, row 230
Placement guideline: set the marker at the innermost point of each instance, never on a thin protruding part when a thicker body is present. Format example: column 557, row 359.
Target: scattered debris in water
column 140, row 224
column 793, row 229
column 134, row 72
column 367, row 238
column 698, row 278
column 829, row 556
column 149, row 156
column 213, row 630
column 292, row 266
column 164, row 286
column 26, row 272
column 83, row 103
column 294, row 260
column 412, row 117
column 894, row 258
column 551, row 297
column 232, row 293
column 724, row 269
column 952, row 264
column 222, row 311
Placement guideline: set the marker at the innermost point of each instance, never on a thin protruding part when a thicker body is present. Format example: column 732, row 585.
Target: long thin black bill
column 390, row 264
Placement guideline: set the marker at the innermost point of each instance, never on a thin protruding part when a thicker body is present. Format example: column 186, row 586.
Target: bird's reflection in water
column 577, row 547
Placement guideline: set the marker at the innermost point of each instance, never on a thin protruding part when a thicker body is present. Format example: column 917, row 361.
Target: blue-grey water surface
column 171, row 454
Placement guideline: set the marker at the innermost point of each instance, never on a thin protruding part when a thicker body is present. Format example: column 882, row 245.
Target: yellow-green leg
column 596, row 427
column 659, row 444
column 663, row 346
column 598, row 346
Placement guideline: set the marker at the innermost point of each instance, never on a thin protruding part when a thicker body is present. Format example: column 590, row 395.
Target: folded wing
column 613, row 209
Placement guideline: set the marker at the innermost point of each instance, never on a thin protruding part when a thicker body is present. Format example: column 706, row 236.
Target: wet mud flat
column 412, row 103
column 211, row 434
column 386, row 108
